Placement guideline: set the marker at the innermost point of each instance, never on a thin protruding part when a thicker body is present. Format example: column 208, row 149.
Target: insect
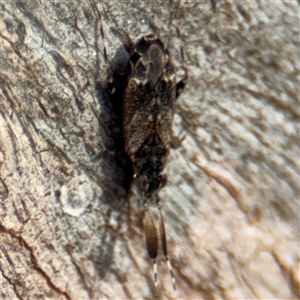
column 148, row 99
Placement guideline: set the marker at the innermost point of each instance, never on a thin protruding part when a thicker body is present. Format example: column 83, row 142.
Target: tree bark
column 69, row 229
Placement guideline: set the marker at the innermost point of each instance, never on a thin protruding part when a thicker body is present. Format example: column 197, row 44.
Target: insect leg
column 164, row 241
column 151, row 241
column 181, row 84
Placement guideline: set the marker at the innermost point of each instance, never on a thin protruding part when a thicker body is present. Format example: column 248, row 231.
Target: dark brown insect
column 148, row 99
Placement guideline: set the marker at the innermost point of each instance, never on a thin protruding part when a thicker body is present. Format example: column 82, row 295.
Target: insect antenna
column 100, row 22
column 151, row 241
column 164, row 241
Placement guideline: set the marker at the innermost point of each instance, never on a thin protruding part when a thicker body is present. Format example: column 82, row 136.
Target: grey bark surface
column 69, row 229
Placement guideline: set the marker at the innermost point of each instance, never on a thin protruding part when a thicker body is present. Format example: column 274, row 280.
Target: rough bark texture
column 68, row 230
